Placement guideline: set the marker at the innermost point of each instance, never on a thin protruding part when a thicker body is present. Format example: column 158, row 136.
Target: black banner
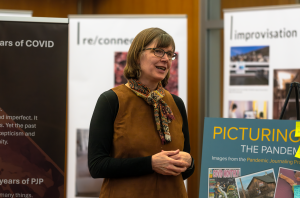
column 33, row 88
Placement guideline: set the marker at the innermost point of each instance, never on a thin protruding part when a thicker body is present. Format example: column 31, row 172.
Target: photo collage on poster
column 228, row 183
column 257, row 90
column 120, row 63
column 249, row 67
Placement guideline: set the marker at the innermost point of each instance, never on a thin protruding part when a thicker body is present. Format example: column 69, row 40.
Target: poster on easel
column 33, row 84
column 249, row 158
column 261, row 46
column 98, row 49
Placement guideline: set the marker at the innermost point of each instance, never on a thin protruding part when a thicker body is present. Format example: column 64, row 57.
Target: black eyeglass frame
column 173, row 57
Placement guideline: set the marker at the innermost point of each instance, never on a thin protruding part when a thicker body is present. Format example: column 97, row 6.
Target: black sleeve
column 185, row 130
column 100, row 163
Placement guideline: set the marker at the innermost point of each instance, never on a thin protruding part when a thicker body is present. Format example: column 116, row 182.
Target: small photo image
column 286, row 181
column 86, row 186
column 120, row 63
column 248, row 109
column 282, row 81
column 257, row 185
column 172, row 85
column 249, row 65
column 221, row 182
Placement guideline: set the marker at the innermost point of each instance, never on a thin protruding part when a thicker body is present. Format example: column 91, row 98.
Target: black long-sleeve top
column 100, row 163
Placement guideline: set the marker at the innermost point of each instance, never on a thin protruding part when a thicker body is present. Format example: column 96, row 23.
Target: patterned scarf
column 162, row 112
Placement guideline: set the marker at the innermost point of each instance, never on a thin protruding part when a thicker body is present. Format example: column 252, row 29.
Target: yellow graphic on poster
column 298, row 153
column 297, row 132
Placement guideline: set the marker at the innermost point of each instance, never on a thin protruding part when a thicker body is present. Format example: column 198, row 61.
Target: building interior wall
column 191, row 8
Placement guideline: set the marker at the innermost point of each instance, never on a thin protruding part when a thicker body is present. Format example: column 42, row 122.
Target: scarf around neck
column 162, row 112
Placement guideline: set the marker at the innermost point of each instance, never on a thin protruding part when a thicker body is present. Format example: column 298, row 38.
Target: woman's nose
column 165, row 57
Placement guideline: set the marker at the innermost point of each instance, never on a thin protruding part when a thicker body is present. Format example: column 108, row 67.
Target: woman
column 139, row 139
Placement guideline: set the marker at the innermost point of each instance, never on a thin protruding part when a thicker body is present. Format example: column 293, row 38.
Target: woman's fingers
column 169, row 172
column 185, row 157
column 180, row 163
column 175, row 157
column 165, row 165
column 170, row 153
column 177, row 169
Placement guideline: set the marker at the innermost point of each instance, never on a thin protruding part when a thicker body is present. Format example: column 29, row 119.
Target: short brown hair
column 132, row 70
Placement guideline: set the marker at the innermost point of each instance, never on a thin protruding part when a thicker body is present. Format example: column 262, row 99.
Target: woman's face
column 154, row 69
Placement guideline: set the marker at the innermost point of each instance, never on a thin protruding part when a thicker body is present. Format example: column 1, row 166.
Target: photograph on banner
column 248, row 109
column 221, row 182
column 86, row 186
column 257, row 185
column 287, row 179
column 282, row 81
column 120, row 63
column 249, row 65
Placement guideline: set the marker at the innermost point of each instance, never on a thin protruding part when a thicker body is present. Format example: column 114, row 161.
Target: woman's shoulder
column 108, row 99
column 179, row 102
column 119, row 87
column 177, row 98
column 109, row 95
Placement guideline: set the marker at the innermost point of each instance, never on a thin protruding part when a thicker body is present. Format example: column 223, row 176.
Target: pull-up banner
column 249, row 158
column 33, row 85
column 97, row 57
column 261, row 59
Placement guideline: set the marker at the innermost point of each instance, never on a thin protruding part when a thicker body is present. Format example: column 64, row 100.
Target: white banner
column 98, row 48
column 261, row 60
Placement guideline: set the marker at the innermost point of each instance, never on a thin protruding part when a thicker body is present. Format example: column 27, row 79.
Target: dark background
column 33, row 81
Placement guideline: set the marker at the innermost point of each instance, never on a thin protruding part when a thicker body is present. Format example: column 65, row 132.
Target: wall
column 62, row 8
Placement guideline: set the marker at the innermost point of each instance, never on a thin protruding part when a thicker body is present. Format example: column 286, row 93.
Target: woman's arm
column 100, row 163
column 185, row 130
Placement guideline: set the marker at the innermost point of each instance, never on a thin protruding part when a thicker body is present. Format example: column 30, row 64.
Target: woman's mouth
column 161, row 68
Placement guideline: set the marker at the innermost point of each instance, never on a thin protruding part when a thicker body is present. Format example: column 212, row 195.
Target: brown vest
column 135, row 135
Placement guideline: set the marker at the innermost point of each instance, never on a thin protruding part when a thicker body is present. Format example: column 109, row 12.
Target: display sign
column 250, row 154
column 97, row 57
column 33, row 84
column 260, row 61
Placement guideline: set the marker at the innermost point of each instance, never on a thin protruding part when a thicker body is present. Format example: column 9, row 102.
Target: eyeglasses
column 160, row 53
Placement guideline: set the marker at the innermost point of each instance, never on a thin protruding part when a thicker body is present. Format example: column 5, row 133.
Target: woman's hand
column 163, row 163
column 183, row 156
